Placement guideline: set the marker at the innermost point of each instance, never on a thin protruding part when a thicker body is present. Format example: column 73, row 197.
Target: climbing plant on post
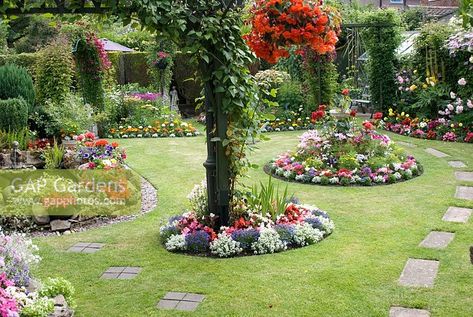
column 382, row 37
column 279, row 25
column 210, row 32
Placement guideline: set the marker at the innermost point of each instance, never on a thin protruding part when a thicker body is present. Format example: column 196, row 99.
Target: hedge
column 13, row 114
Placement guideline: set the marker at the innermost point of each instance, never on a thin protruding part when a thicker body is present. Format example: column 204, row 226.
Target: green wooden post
column 223, row 166
column 217, row 164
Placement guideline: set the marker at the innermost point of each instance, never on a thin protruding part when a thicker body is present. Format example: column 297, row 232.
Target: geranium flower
column 345, row 92
column 368, row 125
column 378, row 116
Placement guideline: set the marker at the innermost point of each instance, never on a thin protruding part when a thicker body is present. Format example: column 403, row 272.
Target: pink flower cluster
column 8, row 305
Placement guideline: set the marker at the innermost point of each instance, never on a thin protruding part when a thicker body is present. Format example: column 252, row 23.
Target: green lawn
column 354, row 272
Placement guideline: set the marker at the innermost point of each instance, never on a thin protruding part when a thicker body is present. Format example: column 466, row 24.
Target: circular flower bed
column 341, row 154
column 298, row 226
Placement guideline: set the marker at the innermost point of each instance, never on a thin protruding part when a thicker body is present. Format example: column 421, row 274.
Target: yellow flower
column 452, row 125
column 460, row 124
column 402, row 113
column 407, row 115
column 424, row 86
column 385, row 118
column 413, row 87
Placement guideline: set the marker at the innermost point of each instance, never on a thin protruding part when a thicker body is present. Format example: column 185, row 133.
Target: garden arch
column 210, row 31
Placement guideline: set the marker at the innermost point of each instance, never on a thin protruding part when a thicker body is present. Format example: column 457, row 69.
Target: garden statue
column 174, row 99
column 15, row 155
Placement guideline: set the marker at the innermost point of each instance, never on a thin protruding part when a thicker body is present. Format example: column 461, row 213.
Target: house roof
column 112, row 46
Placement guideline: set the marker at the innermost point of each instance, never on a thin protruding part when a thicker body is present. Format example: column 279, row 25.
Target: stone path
column 436, row 153
column 121, row 273
column 86, row 247
column 181, row 301
column 457, row 214
column 419, row 273
column 456, row 164
column 464, row 176
column 408, row 312
column 437, row 240
column 422, row 273
column 464, row 192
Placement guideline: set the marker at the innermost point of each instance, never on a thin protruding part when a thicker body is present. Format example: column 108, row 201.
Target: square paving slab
column 85, row 247
column 436, row 153
column 181, row 301
column 419, row 273
column 457, row 164
column 464, row 176
column 457, row 214
column 464, row 192
column 437, row 240
column 408, row 312
column 121, row 273
column 406, row 144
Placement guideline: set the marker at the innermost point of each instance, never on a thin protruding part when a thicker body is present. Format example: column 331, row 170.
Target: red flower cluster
column 190, row 223
column 378, row 116
column 279, row 24
column 345, row 92
column 318, row 114
column 368, row 125
column 294, row 214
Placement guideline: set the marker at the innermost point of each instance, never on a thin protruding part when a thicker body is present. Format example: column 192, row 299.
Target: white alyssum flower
column 287, row 174
column 305, row 235
column 224, row 246
column 327, row 223
column 334, row 180
column 398, row 175
column 316, row 179
column 176, row 242
column 268, row 242
column 379, row 179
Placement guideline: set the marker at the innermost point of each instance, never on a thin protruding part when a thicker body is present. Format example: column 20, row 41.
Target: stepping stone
column 406, row 144
column 408, row 312
column 121, row 273
column 437, row 240
column 457, row 214
column 464, row 192
column 181, row 301
column 457, row 164
column 464, row 176
column 85, row 247
column 419, row 273
column 436, row 153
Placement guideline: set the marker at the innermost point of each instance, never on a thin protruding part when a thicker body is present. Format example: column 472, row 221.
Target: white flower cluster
column 198, row 198
column 224, row 246
column 176, row 242
column 327, row 224
column 19, row 247
column 268, row 242
column 305, row 234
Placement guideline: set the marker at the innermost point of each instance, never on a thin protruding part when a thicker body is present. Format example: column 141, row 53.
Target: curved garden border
column 299, row 226
column 267, row 170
